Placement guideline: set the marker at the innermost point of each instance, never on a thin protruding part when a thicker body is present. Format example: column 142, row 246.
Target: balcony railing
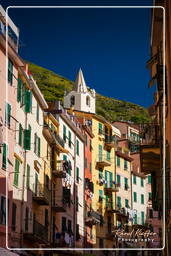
column 111, row 141
column 150, row 156
column 103, row 161
column 121, row 211
column 41, row 194
column 38, row 232
column 109, row 189
column 59, row 171
column 93, row 217
column 53, row 138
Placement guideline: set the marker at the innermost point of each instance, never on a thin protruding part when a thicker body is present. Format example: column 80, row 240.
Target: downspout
column 23, row 190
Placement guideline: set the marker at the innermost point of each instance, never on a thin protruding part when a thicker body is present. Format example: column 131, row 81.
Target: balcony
column 109, row 189
column 121, row 212
column 93, row 218
column 59, row 205
column 41, row 194
column 110, row 208
column 59, row 171
column 54, row 139
column 102, row 161
column 110, row 141
column 150, row 155
column 37, row 233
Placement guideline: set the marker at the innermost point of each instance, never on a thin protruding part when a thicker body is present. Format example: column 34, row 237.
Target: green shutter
column 108, row 155
column 149, row 179
column 27, row 139
column 19, row 86
column 106, row 178
column 38, row 147
column 149, row 196
column 7, row 114
column 126, row 203
column 4, row 156
column 135, row 219
column 107, row 200
column 100, row 153
column 100, row 128
column 134, row 179
column 64, row 133
column 77, row 147
column 69, row 170
column 119, row 201
column 27, row 101
column 125, row 164
column 135, row 197
column 142, row 199
column 111, row 179
column 100, row 173
column 77, row 174
column 20, row 135
column 142, row 182
column 118, row 179
column 100, row 195
column 142, row 218
column 28, row 177
column 16, row 173
column 69, row 139
column 64, row 157
column 118, row 160
column 10, row 71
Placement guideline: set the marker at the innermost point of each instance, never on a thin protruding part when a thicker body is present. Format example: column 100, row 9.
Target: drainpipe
column 23, row 190
column 74, row 193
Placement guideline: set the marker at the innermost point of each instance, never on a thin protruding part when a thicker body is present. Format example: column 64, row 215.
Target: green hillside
column 53, row 87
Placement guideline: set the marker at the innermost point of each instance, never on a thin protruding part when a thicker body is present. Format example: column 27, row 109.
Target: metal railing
column 40, row 230
column 41, row 191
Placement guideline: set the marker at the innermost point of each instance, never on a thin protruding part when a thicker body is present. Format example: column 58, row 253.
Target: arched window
column 72, row 101
column 88, row 101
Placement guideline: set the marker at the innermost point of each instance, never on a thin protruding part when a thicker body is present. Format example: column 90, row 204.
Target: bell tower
column 81, row 98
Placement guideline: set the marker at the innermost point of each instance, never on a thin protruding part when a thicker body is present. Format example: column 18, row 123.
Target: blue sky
column 110, row 45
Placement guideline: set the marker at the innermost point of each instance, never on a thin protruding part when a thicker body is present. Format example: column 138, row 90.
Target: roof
column 80, row 85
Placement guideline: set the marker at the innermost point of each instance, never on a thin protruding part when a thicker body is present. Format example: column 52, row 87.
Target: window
column 64, row 133
column 26, row 219
column 90, row 167
column 16, row 172
column 69, row 139
column 149, row 196
column 142, row 199
column 101, row 244
column 149, row 179
column 77, row 232
column 118, row 161
column 125, row 164
column 19, row 87
column 28, row 177
column 46, row 218
column 86, row 139
column 20, row 138
column 100, row 173
column 100, row 128
column 27, row 100
column 142, row 218
column 151, row 213
column 126, row 183
column 8, row 114
column 135, row 196
column 100, row 195
column 142, row 182
column 69, row 226
column 135, row 219
column 36, row 145
column 77, row 174
column 10, row 71
column 126, row 203
column 37, row 113
column 134, row 179
column 77, row 147
column 69, row 167
column 100, row 153
column 63, row 224
column 72, row 101
column 3, row 210
column 118, row 179
column 77, row 204
column 119, row 202
column 4, row 156
column 88, row 101
column 108, row 155
column 27, row 139
column 85, row 162
column 14, row 210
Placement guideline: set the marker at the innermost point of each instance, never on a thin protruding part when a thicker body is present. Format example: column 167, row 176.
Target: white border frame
column 164, row 126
